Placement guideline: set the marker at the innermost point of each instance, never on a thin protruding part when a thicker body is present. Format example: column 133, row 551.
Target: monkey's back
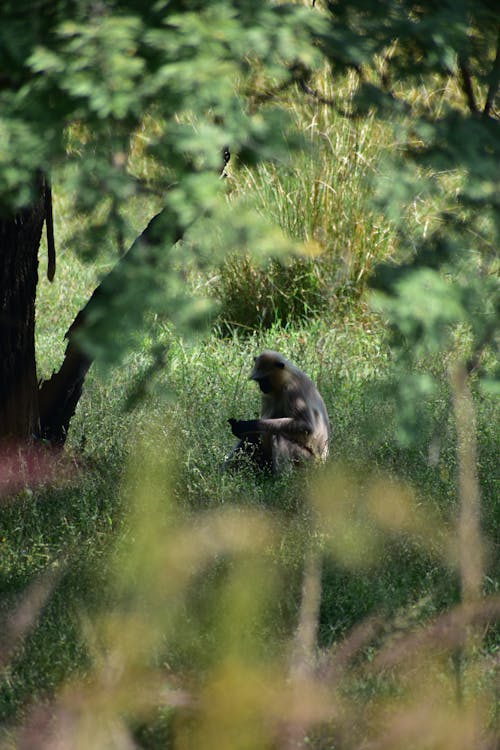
column 301, row 400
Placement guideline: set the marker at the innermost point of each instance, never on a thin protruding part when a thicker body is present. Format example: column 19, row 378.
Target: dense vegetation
column 150, row 599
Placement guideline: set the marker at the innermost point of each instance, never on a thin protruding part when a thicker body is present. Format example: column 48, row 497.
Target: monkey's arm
column 282, row 425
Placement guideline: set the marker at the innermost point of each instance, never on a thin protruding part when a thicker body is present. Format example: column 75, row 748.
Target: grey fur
column 293, row 427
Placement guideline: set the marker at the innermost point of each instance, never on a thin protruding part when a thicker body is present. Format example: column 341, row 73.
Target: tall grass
column 324, row 196
column 322, row 199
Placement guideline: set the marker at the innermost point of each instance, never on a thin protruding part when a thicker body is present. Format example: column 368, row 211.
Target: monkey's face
column 269, row 371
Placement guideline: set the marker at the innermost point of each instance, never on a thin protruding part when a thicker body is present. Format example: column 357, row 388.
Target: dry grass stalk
column 469, row 534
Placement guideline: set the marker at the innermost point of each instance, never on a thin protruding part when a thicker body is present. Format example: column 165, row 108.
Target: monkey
column 293, row 427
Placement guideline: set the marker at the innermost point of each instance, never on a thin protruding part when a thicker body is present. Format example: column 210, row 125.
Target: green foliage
column 78, row 96
column 448, row 146
column 428, row 37
column 253, row 298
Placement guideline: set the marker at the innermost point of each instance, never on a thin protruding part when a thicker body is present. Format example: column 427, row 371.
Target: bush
column 254, row 298
column 322, row 200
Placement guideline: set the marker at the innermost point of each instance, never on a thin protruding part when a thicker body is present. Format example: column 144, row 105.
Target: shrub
column 323, row 200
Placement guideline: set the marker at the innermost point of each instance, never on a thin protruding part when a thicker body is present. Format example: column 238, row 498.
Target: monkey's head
column 270, row 371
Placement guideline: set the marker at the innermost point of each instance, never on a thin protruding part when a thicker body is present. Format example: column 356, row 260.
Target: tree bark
column 19, row 241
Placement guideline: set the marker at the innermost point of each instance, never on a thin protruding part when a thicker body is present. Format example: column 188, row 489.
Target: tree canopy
column 78, row 81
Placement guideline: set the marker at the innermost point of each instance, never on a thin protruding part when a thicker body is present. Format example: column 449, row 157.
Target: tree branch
column 467, row 86
column 495, row 80
column 58, row 397
column 301, row 77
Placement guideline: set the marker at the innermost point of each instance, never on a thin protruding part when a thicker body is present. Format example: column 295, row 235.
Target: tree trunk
column 19, row 241
column 27, row 411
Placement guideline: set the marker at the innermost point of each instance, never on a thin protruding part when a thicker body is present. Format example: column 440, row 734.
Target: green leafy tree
column 77, row 81
column 433, row 71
